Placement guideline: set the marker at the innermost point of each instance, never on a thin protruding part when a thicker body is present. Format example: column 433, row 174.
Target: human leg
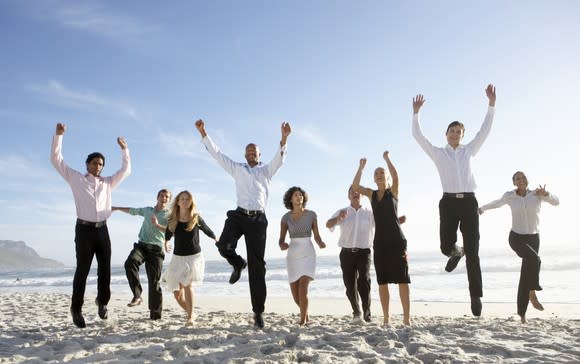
column 228, row 241
column 180, row 297
column 134, row 260
column 349, row 277
column 255, row 236
column 85, row 250
column 404, row 294
column 303, row 283
column 364, row 281
column 153, row 266
column 384, row 297
column 189, row 304
column 103, row 255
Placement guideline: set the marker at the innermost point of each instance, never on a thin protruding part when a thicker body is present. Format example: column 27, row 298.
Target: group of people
column 361, row 229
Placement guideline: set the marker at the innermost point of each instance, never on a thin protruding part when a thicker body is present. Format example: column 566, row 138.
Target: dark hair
column 94, row 155
column 515, row 174
column 162, row 191
column 455, row 123
column 288, row 197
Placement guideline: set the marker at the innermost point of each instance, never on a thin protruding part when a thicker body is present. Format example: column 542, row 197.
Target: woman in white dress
column 187, row 265
column 301, row 257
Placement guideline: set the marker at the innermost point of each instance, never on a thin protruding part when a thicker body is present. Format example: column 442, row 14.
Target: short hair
column 163, row 190
column 94, row 155
column 515, row 174
column 455, row 123
column 288, row 196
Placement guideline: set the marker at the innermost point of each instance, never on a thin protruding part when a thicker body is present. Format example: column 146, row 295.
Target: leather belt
column 459, row 195
column 92, row 224
column 249, row 212
column 354, row 250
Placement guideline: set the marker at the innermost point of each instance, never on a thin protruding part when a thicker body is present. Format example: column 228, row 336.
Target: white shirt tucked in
column 252, row 183
column 525, row 210
column 454, row 165
column 92, row 194
column 356, row 229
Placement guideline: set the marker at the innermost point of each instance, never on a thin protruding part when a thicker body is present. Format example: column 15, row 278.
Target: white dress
column 301, row 257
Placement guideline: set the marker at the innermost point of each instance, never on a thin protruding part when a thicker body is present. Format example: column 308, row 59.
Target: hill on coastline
column 17, row 256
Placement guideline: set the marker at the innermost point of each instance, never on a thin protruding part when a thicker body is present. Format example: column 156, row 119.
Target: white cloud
column 315, row 137
column 90, row 17
column 56, row 92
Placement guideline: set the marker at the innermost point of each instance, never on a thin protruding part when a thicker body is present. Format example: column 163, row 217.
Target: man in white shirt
column 252, row 181
column 92, row 195
column 356, row 237
column 524, row 236
column 458, row 206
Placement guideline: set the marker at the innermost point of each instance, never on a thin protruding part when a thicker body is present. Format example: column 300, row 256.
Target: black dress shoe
column 78, row 319
column 135, row 302
column 103, row 312
column 452, row 263
column 454, row 258
column 237, row 273
column 155, row 315
column 258, row 321
column 476, row 306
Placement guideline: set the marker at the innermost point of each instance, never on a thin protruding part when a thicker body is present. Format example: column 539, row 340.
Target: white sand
column 38, row 328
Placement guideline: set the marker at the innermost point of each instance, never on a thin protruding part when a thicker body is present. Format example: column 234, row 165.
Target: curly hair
column 288, row 197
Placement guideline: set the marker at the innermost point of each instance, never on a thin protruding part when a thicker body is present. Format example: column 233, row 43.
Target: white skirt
column 301, row 259
column 188, row 269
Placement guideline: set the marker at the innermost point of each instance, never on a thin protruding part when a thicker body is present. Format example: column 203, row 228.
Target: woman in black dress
column 389, row 244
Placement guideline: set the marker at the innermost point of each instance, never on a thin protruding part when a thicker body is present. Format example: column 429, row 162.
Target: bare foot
column 523, row 318
column 534, row 300
column 189, row 322
column 407, row 321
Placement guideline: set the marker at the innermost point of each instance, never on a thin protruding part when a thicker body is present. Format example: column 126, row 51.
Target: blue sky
column 342, row 73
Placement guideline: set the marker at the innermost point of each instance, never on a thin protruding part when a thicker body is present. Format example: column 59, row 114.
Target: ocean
column 430, row 282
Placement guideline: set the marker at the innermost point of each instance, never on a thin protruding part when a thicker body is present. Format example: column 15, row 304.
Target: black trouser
column 355, row 265
column 152, row 255
column 253, row 227
column 527, row 246
column 462, row 213
column 91, row 241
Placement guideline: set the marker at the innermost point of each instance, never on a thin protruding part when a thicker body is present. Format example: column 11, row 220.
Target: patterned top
column 301, row 228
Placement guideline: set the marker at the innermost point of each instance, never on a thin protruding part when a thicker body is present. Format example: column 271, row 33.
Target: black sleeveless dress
column 389, row 244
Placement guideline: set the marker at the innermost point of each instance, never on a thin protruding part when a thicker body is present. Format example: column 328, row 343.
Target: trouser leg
column 84, row 256
column 469, row 226
column 448, row 223
column 134, row 260
column 228, row 241
column 526, row 247
column 349, row 277
column 364, row 279
column 153, row 267
column 255, row 234
column 103, row 254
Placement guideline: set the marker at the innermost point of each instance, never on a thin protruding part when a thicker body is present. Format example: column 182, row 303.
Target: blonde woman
column 389, row 244
column 187, row 265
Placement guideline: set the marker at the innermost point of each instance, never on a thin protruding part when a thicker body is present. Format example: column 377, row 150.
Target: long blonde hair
column 173, row 218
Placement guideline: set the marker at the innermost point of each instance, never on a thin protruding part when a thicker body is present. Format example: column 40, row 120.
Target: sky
column 342, row 73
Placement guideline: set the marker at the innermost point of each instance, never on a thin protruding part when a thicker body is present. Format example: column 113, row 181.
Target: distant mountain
column 17, row 256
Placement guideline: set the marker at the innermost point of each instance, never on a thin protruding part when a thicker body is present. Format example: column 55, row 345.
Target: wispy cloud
column 91, row 17
column 313, row 136
column 56, row 92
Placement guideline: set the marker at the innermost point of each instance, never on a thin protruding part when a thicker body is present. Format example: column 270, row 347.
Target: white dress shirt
column 454, row 165
column 525, row 210
column 92, row 194
column 356, row 229
column 252, row 183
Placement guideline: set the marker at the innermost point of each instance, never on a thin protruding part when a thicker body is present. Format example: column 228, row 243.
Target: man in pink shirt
column 92, row 195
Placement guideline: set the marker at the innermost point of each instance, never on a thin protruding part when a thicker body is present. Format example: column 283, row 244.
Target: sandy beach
column 38, row 328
